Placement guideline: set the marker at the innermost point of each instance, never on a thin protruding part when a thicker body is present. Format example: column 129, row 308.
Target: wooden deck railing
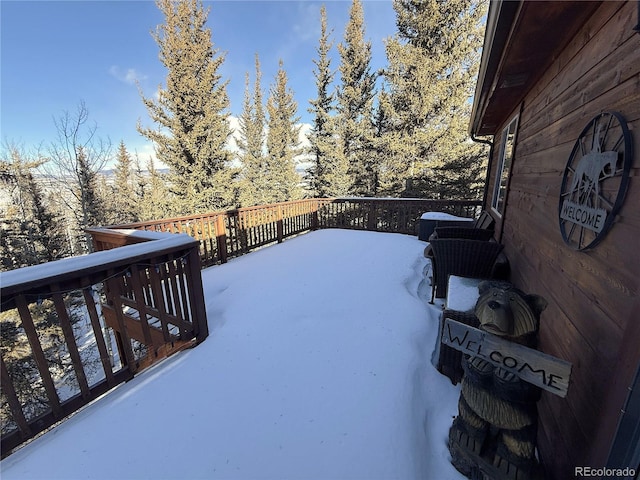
column 392, row 215
column 75, row 328
column 226, row 234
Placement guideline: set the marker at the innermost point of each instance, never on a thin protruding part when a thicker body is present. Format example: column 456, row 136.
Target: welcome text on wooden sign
column 532, row 366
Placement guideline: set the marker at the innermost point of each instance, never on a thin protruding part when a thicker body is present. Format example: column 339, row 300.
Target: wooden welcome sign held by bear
column 533, row 366
column 494, row 435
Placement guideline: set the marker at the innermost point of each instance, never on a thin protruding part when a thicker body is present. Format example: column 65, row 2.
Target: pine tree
column 379, row 164
column 192, row 111
column 283, row 144
column 355, row 102
column 156, row 200
column 433, row 61
column 92, row 213
column 32, row 231
column 140, row 183
column 254, row 187
column 327, row 176
column 462, row 173
column 17, row 246
column 124, row 197
column 46, row 223
column 15, row 249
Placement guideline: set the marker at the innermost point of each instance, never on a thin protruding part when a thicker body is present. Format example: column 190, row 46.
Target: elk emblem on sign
column 595, row 180
column 591, row 168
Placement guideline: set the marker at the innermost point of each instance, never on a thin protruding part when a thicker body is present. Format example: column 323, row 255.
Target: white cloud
column 147, row 151
column 307, row 25
column 129, row 76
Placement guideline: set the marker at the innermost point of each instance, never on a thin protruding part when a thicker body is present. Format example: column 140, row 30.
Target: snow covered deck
column 317, row 366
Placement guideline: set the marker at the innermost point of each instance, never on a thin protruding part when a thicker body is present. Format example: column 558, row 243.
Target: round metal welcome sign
column 595, row 180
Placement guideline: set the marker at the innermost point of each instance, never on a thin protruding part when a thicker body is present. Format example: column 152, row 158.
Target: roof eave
column 500, row 20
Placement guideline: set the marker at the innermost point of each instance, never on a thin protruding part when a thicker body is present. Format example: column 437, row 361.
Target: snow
column 443, row 216
column 462, row 293
column 48, row 272
column 317, row 367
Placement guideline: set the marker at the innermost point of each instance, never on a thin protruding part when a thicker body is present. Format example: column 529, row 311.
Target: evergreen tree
column 124, row 197
column 47, row 224
column 31, row 232
column 156, row 200
column 92, row 213
column 283, row 144
column 15, row 249
column 328, row 174
column 17, row 246
column 192, row 111
column 462, row 173
column 355, row 102
column 379, row 164
column 433, row 62
column 254, row 188
column 140, row 183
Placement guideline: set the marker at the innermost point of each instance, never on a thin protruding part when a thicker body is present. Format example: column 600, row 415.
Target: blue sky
column 56, row 53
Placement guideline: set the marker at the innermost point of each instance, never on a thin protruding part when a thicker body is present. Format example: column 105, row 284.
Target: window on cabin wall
column 507, row 147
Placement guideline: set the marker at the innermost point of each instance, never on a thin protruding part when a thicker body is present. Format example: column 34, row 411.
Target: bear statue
column 494, row 434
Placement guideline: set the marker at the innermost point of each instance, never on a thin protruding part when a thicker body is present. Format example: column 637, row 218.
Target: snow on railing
column 75, row 328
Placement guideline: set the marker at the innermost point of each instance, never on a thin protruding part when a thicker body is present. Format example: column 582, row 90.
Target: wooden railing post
column 14, row 402
column 196, row 296
column 221, row 238
column 372, row 220
column 315, row 205
column 279, row 227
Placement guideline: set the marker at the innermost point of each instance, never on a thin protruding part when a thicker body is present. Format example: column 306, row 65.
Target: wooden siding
column 592, row 294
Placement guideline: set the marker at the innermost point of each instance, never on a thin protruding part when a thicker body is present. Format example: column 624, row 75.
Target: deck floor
column 317, row 366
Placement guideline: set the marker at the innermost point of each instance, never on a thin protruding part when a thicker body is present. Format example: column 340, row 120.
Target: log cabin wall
column 592, row 294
